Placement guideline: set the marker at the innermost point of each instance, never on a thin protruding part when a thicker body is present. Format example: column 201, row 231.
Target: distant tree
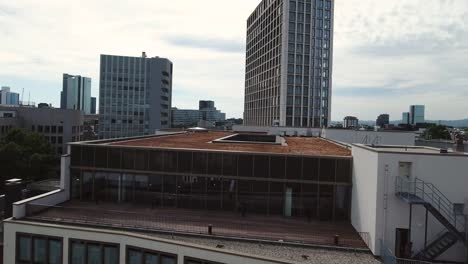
column 466, row 129
column 437, row 132
column 27, row 156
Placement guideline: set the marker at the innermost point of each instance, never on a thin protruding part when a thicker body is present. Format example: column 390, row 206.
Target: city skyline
column 379, row 66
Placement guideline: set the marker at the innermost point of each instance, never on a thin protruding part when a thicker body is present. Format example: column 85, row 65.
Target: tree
column 437, row 132
column 27, row 156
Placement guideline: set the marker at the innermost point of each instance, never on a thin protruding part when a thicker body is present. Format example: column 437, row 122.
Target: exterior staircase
column 418, row 192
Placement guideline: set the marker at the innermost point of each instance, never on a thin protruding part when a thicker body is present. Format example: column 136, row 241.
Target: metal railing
column 428, row 193
column 168, row 221
column 388, row 257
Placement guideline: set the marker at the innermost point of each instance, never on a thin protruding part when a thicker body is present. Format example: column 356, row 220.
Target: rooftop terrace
column 196, row 222
column 205, row 141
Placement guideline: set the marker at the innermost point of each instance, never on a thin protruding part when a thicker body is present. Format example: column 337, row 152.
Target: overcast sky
column 388, row 54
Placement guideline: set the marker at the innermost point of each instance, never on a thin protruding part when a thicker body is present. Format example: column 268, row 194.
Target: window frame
column 32, row 237
column 86, row 242
column 202, row 261
column 150, row 251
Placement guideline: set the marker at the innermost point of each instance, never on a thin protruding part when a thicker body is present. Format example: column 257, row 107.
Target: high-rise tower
column 289, row 63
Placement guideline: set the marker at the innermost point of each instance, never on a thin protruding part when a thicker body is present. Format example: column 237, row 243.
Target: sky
column 388, row 54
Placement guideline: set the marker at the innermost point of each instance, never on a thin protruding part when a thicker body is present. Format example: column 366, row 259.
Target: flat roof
column 409, row 150
column 203, row 141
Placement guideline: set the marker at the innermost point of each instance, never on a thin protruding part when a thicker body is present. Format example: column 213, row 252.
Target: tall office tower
column 382, row 120
column 405, row 118
column 76, row 93
column 7, row 97
column 93, row 105
column 289, row 63
column 135, row 95
column 417, row 114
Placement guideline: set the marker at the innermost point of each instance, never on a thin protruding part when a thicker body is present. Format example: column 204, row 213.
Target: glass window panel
column 215, row 163
column 327, row 170
column 277, row 167
column 111, row 255
column 199, row 162
column 151, row 258
column 262, row 166
column 230, row 164
column 310, row 169
column 114, row 158
column 294, row 168
column 245, row 165
column 101, row 157
column 78, row 253
column 168, row 260
column 94, row 254
column 185, row 161
column 24, row 248
column 326, row 202
column 128, row 159
column 141, row 160
column 134, row 257
column 40, row 247
column 170, row 161
column 55, row 252
column 156, row 160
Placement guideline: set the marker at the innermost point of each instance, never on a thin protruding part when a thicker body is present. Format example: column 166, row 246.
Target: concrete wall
column 370, row 137
column 364, row 195
column 342, row 135
column 449, row 173
column 124, row 239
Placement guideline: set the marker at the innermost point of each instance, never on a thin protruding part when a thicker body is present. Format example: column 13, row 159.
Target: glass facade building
column 76, row 93
column 260, row 183
column 135, row 95
column 289, row 63
column 8, row 98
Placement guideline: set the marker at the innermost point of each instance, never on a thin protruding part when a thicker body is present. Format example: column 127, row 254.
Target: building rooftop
column 210, row 141
column 409, row 150
column 225, row 224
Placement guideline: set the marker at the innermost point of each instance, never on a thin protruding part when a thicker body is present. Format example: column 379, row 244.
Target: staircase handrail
column 429, row 193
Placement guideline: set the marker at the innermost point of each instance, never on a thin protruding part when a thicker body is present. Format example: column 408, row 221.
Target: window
column 143, row 256
column 39, row 129
column 91, row 252
column 38, row 249
column 189, row 260
column 54, row 129
column 60, row 129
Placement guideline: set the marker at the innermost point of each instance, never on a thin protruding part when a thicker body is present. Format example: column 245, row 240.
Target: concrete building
column 382, row 120
column 405, row 118
column 184, row 117
column 417, row 114
column 289, row 64
column 76, row 93
column 350, row 122
column 93, row 105
column 412, row 201
column 58, row 126
column 7, row 97
column 135, row 95
column 195, row 197
column 206, row 112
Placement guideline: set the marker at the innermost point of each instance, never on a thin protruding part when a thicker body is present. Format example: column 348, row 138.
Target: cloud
column 219, row 45
column 387, row 54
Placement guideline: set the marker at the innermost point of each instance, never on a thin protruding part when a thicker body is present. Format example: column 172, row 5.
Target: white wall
column 342, row 135
column 449, row 173
column 370, row 137
column 124, row 239
column 364, row 195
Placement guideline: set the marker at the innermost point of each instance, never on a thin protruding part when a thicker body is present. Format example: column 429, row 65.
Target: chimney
column 143, row 54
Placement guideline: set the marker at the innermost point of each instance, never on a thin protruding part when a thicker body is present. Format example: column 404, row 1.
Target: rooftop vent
column 252, row 139
column 197, row 129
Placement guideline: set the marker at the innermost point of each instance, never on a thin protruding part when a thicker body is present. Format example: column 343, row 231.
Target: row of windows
column 227, row 164
column 39, row 249
column 49, row 129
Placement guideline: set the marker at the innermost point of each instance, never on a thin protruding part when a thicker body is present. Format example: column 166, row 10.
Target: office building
column 58, row 126
column 289, row 64
column 135, row 95
column 206, row 112
column 417, row 114
column 184, row 117
column 208, row 186
column 93, row 105
column 350, row 122
column 405, row 118
column 76, row 93
column 382, row 120
column 7, row 97
column 184, row 198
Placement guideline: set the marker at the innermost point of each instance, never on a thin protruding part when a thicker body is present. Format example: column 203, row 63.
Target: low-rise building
column 350, row 122
column 58, row 126
column 411, row 201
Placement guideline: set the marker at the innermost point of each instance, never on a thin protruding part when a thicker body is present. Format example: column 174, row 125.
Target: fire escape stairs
column 419, row 192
